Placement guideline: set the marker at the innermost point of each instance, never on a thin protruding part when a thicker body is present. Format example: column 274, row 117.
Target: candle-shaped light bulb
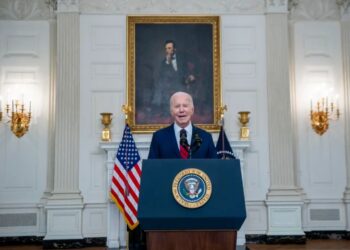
column 323, row 103
column 311, row 104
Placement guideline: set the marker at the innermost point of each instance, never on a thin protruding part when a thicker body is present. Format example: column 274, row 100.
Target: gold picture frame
column 197, row 41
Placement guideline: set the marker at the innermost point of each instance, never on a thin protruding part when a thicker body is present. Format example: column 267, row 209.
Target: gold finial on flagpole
column 222, row 110
column 126, row 110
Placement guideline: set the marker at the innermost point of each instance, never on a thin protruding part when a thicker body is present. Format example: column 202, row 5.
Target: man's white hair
column 181, row 93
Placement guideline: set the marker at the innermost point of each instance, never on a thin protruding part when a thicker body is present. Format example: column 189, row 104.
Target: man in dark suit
column 176, row 73
column 167, row 143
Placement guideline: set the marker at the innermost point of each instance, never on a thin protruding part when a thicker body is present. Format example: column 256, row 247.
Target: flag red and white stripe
column 126, row 178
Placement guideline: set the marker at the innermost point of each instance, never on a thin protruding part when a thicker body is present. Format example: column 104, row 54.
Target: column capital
column 64, row 6
column 344, row 9
column 277, row 6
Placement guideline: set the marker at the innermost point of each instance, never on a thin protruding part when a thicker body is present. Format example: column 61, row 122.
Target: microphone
column 197, row 142
column 183, row 138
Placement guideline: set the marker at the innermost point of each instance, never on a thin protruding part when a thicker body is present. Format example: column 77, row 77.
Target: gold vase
column 244, row 120
column 106, row 120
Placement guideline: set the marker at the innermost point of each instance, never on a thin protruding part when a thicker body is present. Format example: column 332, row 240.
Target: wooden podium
column 191, row 240
column 213, row 226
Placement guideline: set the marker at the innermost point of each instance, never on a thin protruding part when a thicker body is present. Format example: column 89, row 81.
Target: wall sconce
column 19, row 118
column 323, row 114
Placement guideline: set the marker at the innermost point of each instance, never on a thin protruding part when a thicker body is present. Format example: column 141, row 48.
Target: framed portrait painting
column 167, row 54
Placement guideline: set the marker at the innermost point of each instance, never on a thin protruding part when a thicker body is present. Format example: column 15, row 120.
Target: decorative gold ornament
column 322, row 115
column 106, row 121
column 221, row 111
column 244, row 120
column 20, row 119
column 127, row 110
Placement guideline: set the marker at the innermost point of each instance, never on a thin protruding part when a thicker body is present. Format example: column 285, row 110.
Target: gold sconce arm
column 322, row 114
column 319, row 121
column 18, row 117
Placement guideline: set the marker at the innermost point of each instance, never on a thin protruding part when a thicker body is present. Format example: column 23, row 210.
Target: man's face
column 181, row 109
column 169, row 49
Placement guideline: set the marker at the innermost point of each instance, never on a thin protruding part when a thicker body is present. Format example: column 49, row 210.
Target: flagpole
column 125, row 184
column 222, row 135
column 222, row 121
column 126, row 110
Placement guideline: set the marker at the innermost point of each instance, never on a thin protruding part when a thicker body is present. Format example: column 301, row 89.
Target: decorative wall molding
column 344, row 4
column 292, row 4
column 24, row 10
column 67, row 5
column 172, row 7
column 315, row 10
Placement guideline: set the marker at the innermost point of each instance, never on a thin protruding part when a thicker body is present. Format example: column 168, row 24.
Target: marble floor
column 310, row 245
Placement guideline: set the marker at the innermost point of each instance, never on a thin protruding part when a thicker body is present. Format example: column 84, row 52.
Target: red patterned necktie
column 183, row 144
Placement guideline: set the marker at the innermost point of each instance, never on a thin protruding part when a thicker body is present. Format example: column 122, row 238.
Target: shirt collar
column 188, row 128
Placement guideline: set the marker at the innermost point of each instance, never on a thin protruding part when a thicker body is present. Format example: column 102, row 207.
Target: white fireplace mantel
column 116, row 228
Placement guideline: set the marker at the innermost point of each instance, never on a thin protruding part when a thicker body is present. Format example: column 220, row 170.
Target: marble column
column 64, row 207
column 345, row 29
column 283, row 199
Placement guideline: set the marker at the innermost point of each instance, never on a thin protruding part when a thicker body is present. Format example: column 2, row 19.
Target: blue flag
column 223, row 147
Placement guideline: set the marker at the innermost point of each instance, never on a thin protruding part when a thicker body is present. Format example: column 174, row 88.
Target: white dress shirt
column 177, row 130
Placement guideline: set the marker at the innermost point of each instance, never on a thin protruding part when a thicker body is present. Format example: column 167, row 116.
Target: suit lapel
column 194, row 131
column 173, row 142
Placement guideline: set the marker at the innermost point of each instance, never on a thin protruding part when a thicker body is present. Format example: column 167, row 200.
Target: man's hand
column 190, row 79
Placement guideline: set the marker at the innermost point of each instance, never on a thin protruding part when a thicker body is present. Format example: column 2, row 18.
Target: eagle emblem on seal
column 192, row 187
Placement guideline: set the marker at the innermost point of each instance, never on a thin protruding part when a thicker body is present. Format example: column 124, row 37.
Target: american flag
column 125, row 185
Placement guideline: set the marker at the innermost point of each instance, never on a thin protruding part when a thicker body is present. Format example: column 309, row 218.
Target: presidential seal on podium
column 192, row 188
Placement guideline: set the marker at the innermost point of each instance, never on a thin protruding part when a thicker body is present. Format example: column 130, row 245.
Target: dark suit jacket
column 164, row 145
